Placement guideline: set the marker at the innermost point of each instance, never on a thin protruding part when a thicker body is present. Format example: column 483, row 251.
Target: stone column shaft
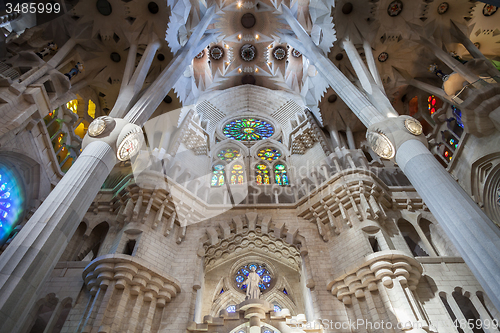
column 34, row 252
column 458, row 314
column 148, row 103
column 344, row 88
column 471, row 231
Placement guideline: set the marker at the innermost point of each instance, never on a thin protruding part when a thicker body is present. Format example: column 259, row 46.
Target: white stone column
column 132, row 83
column 471, row 231
column 155, row 94
column 486, row 319
column 344, row 88
column 34, row 252
column 458, row 314
column 350, row 138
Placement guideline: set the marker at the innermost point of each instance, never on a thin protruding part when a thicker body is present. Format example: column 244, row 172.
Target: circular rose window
column 382, row 57
column 248, row 129
column 296, row 53
column 248, row 52
column 242, row 274
column 395, row 8
column 443, row 8
column 279, row 53
column 216, row 52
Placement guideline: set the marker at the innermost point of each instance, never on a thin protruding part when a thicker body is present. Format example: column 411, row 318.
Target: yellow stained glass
column 72, row 105
column 91, row 110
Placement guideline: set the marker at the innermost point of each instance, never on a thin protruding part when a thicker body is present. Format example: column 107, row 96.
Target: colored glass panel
column 231, row 308
column 229, row 154
column 218, row 178
column 277, row 308
column 280, row 174
column 248, row 129
column 269, row 154
column 242, row 273
column 11, row 202
column 237, row 174
column 262, row 174
column 458, row 115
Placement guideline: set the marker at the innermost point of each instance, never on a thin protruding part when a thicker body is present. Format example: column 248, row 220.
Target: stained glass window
column 237, row 174
column 447, row 154
column 458, row 115
column 73, row 105
column 229, row 154
column 11, row 201
column 277, row 308
column 262, row 174
column 231, row 308
column 242, row 273
column 431, row 104
column 269, row 154
column 280, row 174
column 218, row 178
column 248, row 129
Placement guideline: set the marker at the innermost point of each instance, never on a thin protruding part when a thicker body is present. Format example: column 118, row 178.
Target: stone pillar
column 34, row 252
column 471, row 231
column 350, row 138
column 155, row 94
column 458, row 313
column 354, row 99
column 486, row 319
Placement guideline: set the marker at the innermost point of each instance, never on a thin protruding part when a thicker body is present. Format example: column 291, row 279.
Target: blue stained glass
column 260, row 269
column 277, row 308
column 248, row 129
column 11, row 202
column 231, row 308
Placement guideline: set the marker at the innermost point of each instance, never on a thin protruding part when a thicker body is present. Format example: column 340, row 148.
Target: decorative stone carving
column 378, row 267
column 253, row 280
column 133, row 273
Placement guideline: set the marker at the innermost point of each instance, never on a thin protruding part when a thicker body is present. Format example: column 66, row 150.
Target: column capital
column 125, row 138
column 387, row 136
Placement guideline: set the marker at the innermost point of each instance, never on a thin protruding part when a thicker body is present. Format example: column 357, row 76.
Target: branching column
column 34, row 252
column 471, row 231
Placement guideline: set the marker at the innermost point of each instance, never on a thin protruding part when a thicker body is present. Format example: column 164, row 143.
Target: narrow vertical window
column 262, row 174
column 280, row 174
column 218, row 175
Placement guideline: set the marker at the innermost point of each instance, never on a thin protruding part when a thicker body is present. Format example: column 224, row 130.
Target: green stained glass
column 218, row 175
column 248, row 129
column 280, row 175
column 262, row 175
column 269, row 154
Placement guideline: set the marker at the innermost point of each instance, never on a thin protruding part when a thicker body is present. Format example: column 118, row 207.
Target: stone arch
column 27, row 173
column 222, row 300
column 75, row 243
column 93, row 241
column 243, row 224
column 412, row 238
column 41, row 314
